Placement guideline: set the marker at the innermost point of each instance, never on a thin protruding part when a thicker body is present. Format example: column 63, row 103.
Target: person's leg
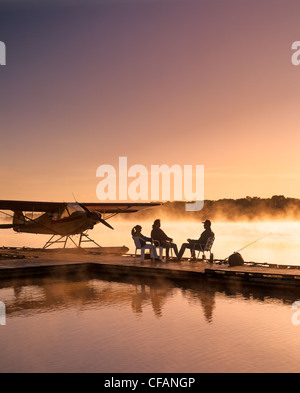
column 182, row 250
column 152, row 249
column 174, row 246
column 166, row 245
column 193, row 253
column 194, row 248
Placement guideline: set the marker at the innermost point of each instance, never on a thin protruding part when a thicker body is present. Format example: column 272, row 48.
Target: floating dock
column 18, row 262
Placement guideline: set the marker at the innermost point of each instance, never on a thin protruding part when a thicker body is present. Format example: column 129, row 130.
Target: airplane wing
column 109, row 208
column 29, row 206
column 116, row 208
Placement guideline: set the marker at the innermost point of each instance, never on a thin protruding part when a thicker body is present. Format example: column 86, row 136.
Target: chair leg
column 161, row 250
column 203, row 254
column 142, row 255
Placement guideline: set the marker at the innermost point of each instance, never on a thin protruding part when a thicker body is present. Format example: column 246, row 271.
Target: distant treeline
column 250, row 209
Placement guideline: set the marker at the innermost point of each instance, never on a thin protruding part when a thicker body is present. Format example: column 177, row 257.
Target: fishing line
column 249, row 244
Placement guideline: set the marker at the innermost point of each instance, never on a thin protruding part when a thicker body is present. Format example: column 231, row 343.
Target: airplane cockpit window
column 71, row 208
column 54, row 216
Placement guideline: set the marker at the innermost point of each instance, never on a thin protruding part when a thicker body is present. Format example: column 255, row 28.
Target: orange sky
column 160, row 82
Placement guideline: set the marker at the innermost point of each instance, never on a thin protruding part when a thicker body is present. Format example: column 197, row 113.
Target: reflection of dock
column 26, row 262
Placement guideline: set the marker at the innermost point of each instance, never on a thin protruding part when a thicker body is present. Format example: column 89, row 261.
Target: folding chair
column 156, row 244
column 145, row 247
column 207, row 248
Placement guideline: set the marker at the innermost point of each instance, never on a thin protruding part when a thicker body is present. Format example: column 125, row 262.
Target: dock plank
column 35, row 259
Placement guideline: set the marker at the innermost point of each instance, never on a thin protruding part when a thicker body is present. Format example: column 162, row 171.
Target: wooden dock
column 30, row 262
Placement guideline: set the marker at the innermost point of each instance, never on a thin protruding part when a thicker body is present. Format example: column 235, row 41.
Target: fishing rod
column 249, row 244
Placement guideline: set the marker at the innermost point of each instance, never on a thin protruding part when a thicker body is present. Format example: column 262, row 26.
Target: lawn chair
column 208, row 246
column 145, row 247
column 156, row 244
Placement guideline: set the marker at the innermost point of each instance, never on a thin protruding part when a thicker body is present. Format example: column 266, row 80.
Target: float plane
column 64, row 220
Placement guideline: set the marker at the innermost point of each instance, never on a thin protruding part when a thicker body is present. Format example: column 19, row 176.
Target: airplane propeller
column 96, row 215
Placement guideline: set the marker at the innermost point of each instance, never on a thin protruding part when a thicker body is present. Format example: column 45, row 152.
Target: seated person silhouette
column 136, row 232
column 162, row 240
column 199, row 244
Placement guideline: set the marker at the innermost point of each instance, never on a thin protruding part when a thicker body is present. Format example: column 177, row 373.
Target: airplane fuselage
column 76, row 223
column 64, row 219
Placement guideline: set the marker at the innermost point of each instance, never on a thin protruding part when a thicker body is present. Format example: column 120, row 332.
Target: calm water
column 97, row 325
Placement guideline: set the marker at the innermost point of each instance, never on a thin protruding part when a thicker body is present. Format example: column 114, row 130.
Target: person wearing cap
column 196, row 244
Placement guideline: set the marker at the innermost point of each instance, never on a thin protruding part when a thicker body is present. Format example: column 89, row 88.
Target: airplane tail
column 19, row 218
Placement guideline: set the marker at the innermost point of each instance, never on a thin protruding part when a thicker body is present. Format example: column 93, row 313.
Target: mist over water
column 249, row 209
column 280, row 243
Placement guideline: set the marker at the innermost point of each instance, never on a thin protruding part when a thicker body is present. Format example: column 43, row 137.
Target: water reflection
column 30, row 296
column 124, row 324
column 146, row 294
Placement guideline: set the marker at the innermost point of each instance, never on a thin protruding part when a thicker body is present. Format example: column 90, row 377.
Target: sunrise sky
column 207, row 82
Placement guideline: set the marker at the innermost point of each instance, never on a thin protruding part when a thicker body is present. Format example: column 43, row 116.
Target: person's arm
column 146, row 239
column 167, row 238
